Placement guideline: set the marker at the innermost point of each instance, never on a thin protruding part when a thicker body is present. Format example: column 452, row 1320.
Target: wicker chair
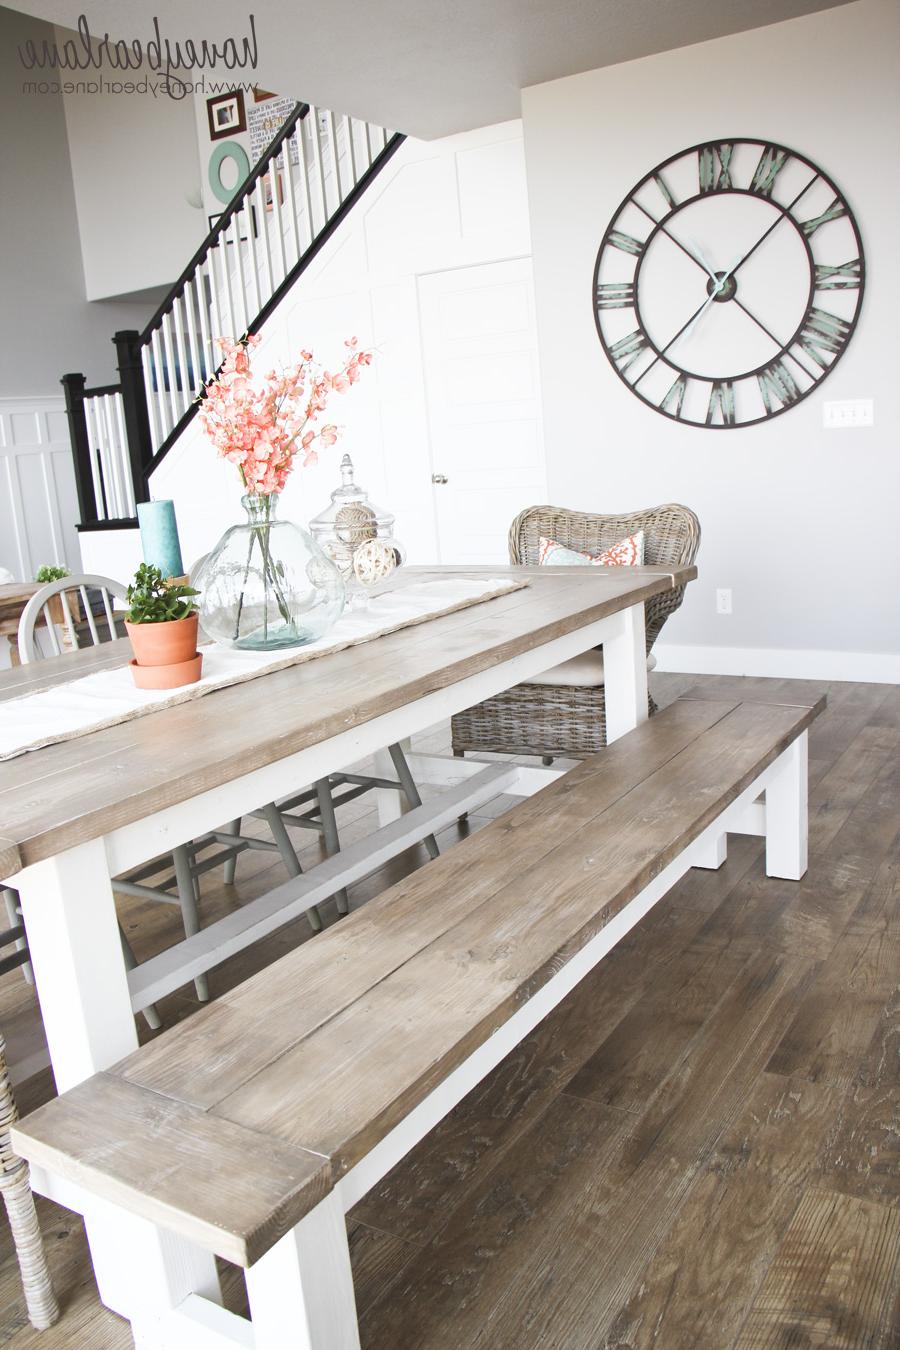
column 570, row 720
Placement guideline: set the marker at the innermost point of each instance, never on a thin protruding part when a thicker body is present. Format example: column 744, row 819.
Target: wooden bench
column 250, row 1129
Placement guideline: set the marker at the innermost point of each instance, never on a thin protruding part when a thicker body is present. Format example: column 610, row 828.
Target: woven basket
column 560, row 720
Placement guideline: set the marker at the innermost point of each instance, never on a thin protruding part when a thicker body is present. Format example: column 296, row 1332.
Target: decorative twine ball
column 341, row 555
column 355, row 524
column 373, row 561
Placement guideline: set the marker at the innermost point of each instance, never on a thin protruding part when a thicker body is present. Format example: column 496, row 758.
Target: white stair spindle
column 318, row 170
column 103, row 456
column 228, row 290
column 218, row 328
column 152, row 409
column 277, row 182
column 159, row 371
column 240, row 284
column 96, row 464
column 190, row 305
column 114, row 458
column 303, row 176
column 124, row 457
column 350, row 152
column 250, row 225
column 291, row 196
column 183, row 381
column 169, row 371
column 207, row 364
column 369, row 155
column 262, row 215
column 335, row 159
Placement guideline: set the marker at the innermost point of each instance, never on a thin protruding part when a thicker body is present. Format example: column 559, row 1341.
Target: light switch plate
column 839, row 415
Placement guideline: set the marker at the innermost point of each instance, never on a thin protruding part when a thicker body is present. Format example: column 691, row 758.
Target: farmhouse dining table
column 76, row 814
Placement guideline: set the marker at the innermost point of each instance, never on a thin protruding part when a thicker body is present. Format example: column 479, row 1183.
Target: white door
column 479, row 348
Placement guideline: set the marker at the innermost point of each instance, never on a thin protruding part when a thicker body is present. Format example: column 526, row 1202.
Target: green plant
column 152, row 600
column 48, row 573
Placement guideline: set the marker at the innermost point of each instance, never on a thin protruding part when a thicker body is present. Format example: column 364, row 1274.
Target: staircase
column 309, row 178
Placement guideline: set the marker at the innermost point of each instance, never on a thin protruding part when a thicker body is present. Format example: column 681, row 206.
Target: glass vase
column 267, row 584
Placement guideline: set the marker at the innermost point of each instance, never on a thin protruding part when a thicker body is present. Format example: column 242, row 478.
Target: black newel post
column 73, row 387
column 134, row 401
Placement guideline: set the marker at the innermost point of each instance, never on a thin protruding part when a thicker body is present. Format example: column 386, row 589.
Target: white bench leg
column 301, row 1291
column 711, row 853
column 625, row 673
column 787, row 813
column 143, row 1272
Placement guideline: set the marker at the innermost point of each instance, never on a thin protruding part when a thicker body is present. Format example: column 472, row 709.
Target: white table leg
column 625, row 673
column 787, row 813
column 301, row 1291
column 79, row 969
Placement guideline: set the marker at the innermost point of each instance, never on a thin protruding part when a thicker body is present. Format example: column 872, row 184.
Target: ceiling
column 429, row 67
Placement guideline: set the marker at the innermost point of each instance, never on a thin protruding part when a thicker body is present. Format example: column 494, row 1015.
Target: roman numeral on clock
column 615, row 295
column 626, row 242
column 822, row 336
column 664, row 190
column 771, row 162
column 714, row 166
column 673, row 399
column 628, row 349
column 833, row 212
column 777, row 384
column 721, row 401
column 845, row 277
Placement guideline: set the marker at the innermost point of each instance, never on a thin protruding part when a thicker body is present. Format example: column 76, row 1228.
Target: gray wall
column 801, row 522
column 48, row 327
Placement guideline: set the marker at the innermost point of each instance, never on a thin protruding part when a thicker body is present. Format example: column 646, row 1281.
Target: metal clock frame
column 659, row 226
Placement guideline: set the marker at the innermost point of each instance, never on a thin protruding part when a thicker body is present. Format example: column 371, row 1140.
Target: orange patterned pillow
column 626, row 553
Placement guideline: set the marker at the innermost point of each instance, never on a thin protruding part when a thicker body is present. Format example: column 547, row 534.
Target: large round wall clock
column 728, row 283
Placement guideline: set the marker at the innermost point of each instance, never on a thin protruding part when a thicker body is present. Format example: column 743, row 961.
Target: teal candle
column 159, row 537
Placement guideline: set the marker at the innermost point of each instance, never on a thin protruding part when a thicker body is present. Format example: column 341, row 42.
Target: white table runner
column 92, row 702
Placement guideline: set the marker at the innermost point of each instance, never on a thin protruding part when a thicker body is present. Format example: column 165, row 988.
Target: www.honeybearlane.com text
column 162, row 54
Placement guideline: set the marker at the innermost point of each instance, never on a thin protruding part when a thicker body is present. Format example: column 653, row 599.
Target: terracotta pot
column 164, row 644
column 167, row 677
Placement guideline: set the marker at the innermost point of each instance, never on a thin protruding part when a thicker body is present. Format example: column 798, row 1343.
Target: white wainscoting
column 38, row 502
column 780, row 662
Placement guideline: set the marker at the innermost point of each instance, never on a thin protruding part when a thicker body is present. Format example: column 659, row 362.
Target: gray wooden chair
column 563, row 712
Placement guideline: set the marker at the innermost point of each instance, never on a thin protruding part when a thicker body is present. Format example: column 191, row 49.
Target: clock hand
column 675, row 240
column 684, row 327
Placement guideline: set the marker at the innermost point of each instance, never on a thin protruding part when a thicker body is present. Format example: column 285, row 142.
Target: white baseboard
column 780, row 662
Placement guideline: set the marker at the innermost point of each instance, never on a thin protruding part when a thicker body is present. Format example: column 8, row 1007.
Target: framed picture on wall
column 226, row 114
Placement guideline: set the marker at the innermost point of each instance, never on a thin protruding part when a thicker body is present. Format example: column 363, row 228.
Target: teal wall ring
column 227, row 150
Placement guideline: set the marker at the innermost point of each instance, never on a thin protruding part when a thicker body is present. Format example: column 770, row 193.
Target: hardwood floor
column 699, row 1148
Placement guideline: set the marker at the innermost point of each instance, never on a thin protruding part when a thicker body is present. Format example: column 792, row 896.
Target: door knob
column 439, row 478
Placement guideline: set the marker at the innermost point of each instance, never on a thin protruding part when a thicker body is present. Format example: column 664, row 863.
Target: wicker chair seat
column 569, row 720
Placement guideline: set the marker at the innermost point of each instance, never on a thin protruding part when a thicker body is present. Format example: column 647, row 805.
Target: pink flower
column 261, row 425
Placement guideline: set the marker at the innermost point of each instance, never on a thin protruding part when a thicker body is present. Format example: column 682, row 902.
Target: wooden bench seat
column 252, row 1127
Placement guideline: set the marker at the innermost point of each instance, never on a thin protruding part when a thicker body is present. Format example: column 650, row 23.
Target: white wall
column 136, row 175
column 49, row 328
column 437, row 206
column 800, row 522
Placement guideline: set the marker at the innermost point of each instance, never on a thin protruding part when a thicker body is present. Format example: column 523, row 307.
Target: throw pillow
column 626, row 553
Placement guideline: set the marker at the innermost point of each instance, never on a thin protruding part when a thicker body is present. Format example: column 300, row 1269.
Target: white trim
column 800, row 663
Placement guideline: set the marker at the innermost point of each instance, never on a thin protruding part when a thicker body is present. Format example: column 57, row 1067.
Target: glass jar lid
column 351, row 514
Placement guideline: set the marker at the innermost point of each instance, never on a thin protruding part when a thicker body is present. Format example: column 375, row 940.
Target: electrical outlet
column 723, row 601
column 840, row 415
